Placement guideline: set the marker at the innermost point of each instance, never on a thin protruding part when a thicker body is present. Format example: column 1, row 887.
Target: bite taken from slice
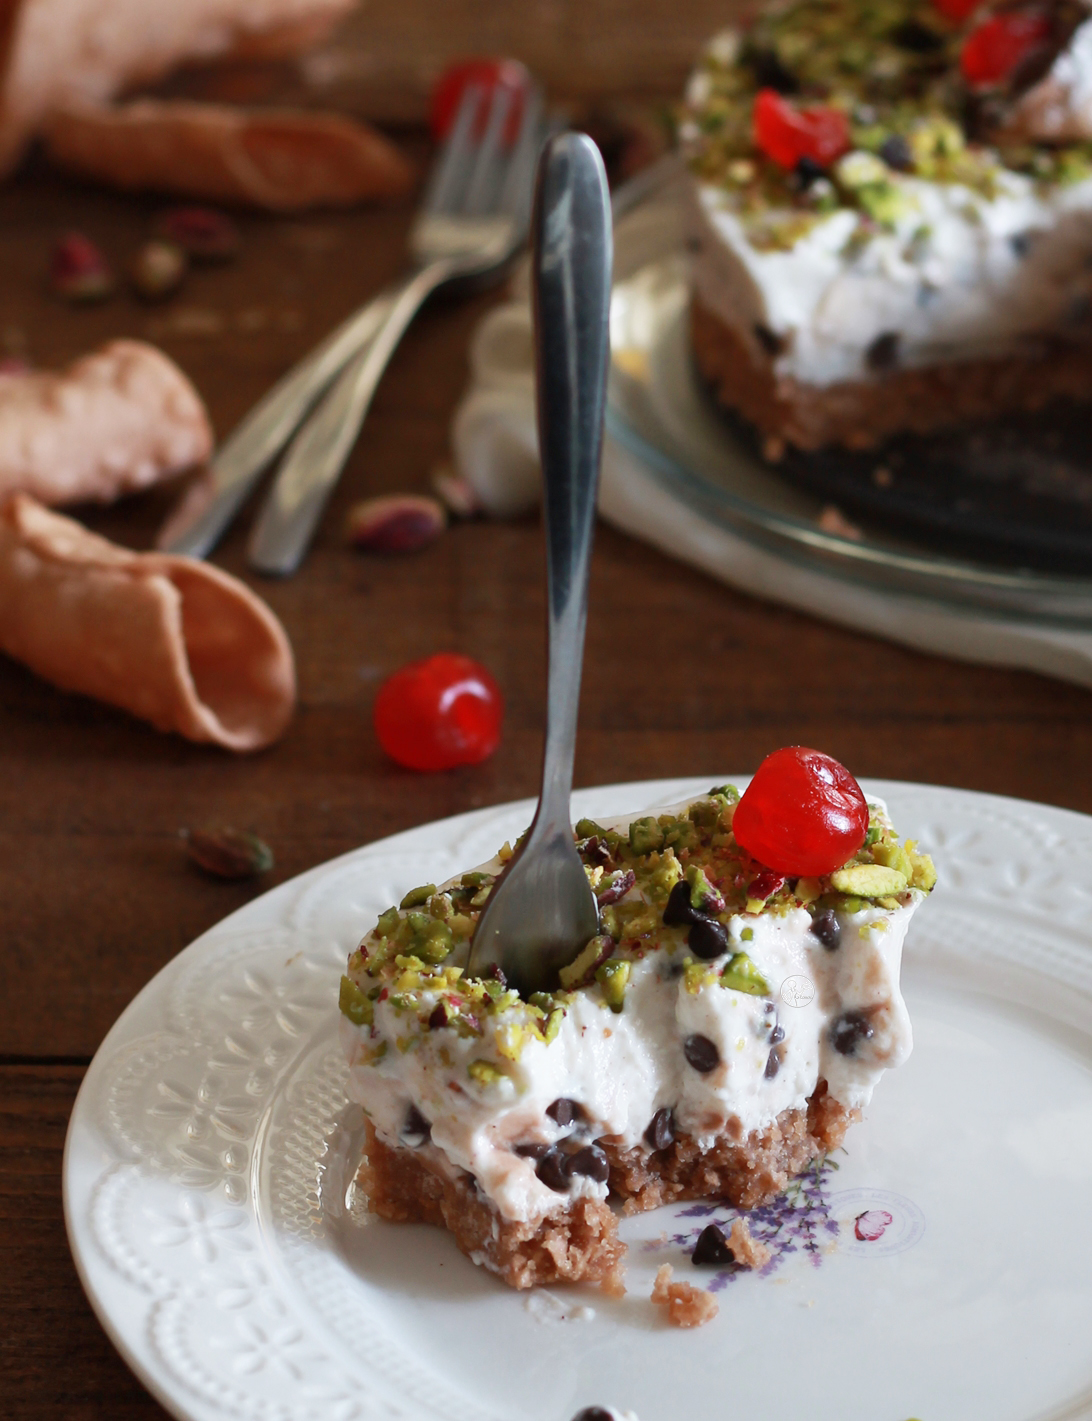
column 722, row 1030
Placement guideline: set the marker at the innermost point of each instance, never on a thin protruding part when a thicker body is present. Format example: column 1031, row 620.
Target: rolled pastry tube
column 174, row 641
column 115, row 421
column 58, row 52
column 284, row 160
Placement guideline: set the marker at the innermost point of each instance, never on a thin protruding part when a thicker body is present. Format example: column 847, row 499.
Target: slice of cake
column 893, row 215
column 723, row 1029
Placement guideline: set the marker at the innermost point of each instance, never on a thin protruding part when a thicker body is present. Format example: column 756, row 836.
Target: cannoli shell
column 58, row 52
column 115, row 421
column 175, row 641
column 284, row 160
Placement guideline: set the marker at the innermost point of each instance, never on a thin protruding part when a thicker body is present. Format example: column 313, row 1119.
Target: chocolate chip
column 827, row 929
column 771, row 73
column 895, row 151
column 1020, row 242
column 777, row 1035
column 593, row 1413
column 590, row 1161
column 437, row 1017
column 678, row 911
column 916, row 37
column 553, row 1170
column 701, row 1053
column 883, row 353
column 415, row 1128
column 708, row 939
column 712, row 1247
column 769, row 340
column 534, row 1150
column 564, row 1111
column 773, row 1064
column 805, row 173
column 848, row 1031
column 661, row 1129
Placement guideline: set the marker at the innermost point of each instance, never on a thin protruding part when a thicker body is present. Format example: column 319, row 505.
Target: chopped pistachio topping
column 612, row 976
column 869, row 880
column 416, row 896
column 741, row 975
column 893, row 68
column 411, row 963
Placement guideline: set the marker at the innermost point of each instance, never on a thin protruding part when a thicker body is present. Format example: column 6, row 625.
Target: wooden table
column 682, row 677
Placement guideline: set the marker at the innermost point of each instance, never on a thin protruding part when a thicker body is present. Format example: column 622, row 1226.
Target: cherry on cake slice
column 722, row 1030
column 892, row 210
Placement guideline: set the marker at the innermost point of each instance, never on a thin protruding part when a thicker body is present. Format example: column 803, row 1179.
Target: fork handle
column 196, row 526
column 571, row 286
column 316, row 456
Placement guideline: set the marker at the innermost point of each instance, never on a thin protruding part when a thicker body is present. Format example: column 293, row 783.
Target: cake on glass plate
column 893, row 215
column 722, row 1030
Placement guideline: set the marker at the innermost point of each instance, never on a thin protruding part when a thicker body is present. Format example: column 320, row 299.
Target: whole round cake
column 893, row 215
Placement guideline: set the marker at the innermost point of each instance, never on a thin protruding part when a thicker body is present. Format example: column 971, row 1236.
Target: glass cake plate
column 938, row 1267
column 660, row 410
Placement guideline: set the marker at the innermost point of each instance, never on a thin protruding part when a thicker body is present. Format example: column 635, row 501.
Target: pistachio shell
column 158, row 270
column 78, row 270
column 229, row 853
column 395, row 523
column 202, row 232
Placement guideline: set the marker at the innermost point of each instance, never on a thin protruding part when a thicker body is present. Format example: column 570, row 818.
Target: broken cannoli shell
column 284, row 160
column 117, row 420
column 173, row 640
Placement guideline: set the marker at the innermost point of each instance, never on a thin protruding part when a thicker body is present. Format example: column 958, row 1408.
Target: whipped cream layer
column 724, row 1061
column 957, row 276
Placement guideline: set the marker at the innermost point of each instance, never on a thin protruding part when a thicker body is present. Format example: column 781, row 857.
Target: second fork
column 474, row 218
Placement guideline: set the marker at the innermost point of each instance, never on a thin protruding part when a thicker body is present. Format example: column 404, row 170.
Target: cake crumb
column 749, row 1252
column 687, row 1306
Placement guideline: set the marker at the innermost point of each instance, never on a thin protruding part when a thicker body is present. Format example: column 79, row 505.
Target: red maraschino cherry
column 992, row 51
column 487, row 75
column 786, row 134
column 439, row 713
column 803, row 814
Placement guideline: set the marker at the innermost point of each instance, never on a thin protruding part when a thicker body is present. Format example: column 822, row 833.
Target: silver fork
column 541, row 911
column 474, row 217
column 464, row 164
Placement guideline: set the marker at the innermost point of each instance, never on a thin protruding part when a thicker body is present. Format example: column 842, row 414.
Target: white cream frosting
column 622, row 1068
column 960, row 276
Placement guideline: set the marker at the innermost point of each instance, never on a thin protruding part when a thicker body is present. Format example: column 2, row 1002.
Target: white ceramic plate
column 943, row 1271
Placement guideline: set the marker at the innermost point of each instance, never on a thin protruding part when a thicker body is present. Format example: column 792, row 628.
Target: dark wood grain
column 682, row 676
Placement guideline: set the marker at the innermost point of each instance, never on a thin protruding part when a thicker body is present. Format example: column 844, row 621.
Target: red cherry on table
column 803, row 813
column 487, row 74
column 439, row 713
column 786, row 134
column 992, row 51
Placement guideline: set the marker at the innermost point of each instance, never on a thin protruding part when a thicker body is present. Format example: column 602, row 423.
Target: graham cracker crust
column 860, row 414
column 746, row 1172
column 582, row 1244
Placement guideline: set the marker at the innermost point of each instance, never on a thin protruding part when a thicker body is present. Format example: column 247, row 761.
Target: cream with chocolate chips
column 724, row 1029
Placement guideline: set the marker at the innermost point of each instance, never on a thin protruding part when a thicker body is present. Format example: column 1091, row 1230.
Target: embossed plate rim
column 92, row 1161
